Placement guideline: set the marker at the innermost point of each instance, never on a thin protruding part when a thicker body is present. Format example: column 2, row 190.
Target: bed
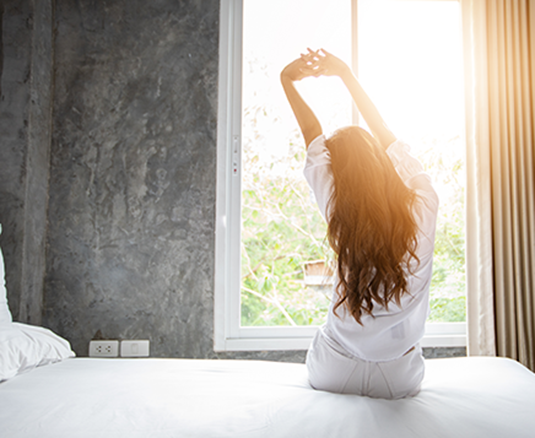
column 47, row 392
column 89, row 397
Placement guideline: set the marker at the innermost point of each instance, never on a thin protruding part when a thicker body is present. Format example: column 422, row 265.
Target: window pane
column 410, row 62
column 282, row 231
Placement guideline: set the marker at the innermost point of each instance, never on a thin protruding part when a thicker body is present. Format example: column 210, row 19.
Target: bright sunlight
column 409, row 62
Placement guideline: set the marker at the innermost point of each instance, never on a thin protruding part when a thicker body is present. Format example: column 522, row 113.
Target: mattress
column 87, row 397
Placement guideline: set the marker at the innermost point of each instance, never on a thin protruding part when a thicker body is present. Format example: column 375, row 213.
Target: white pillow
column 5, row 314
column 24, row 347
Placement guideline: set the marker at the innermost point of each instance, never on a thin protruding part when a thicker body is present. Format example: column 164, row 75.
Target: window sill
column 436, row 335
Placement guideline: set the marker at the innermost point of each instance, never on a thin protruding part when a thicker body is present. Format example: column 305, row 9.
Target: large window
column 273, row 263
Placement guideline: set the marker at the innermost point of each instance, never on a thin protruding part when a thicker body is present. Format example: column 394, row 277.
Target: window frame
column 228, row 334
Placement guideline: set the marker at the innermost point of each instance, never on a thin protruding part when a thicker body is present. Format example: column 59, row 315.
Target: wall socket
column 135, row 348
column 104, row 349
column 138, row 348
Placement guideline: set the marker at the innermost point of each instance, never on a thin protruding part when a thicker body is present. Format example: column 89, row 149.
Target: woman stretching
column 381, row 211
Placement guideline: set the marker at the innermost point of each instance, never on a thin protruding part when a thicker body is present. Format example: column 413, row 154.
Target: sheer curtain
column 499, row 37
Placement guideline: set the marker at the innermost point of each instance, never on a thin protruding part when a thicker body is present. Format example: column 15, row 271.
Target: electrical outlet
column 104, row 349
column 139, row 348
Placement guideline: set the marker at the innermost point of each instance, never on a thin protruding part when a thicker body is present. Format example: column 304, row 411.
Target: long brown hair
column 370, row 227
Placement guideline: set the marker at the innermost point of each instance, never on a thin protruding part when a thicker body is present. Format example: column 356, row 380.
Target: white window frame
column 228, row 334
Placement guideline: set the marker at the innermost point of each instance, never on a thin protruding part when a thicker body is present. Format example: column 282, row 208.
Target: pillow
column 5, row 314
column 24, row 347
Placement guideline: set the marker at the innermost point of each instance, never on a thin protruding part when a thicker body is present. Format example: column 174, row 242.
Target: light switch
column 135, row 348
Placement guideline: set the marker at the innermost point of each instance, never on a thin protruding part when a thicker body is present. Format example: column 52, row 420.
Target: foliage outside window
column 282, row 230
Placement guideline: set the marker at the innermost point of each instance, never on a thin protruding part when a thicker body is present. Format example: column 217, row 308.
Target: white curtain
column 479, row 261
column 499, row 37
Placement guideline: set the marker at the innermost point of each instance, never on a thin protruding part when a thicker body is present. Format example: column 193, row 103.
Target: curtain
column 499, row 37
column 479, row 263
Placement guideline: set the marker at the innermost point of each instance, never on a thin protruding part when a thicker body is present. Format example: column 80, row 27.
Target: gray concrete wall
column 25, row 112
column 132, row 187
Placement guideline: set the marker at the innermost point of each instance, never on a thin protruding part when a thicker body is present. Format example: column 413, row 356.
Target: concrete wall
column 132, row 187
column 131, row 153
column 25, row 112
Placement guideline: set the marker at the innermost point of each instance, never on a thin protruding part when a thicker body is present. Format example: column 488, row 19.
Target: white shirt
column 385, row 335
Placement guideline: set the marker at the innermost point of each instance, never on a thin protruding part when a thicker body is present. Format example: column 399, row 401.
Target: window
column 272, row 262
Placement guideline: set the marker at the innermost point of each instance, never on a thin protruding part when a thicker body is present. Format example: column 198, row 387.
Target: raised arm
column 324, row 63
column 295, row 71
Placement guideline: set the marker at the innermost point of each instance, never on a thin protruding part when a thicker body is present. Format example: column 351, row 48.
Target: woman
column 381, row 212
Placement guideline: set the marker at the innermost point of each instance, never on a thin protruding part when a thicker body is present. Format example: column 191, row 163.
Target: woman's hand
column 300, row 68
column 324, row 63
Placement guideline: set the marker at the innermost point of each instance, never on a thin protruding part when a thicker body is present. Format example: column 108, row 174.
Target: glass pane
column 283, row 234
column 410, row 62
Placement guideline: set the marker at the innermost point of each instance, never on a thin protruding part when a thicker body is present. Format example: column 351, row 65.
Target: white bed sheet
column 83, row 397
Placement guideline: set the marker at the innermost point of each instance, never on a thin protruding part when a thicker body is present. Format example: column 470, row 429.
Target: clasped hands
column 315, row 63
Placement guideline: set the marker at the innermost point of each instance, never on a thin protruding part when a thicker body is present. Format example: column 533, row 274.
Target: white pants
column 331, row 368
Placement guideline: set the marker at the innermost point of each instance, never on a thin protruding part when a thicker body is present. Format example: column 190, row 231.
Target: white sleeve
column 405, row 164
column 318, row 173
column 413, row 175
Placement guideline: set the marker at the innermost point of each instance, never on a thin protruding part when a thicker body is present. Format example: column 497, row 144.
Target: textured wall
column 24, row 153
column 132, row 187
column 14, row 109
column 438, row 352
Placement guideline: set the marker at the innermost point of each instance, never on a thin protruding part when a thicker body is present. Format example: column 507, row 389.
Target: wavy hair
column 370, row 224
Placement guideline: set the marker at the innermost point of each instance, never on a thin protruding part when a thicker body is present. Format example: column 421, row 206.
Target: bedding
column 24, row 347
column 89, row 397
